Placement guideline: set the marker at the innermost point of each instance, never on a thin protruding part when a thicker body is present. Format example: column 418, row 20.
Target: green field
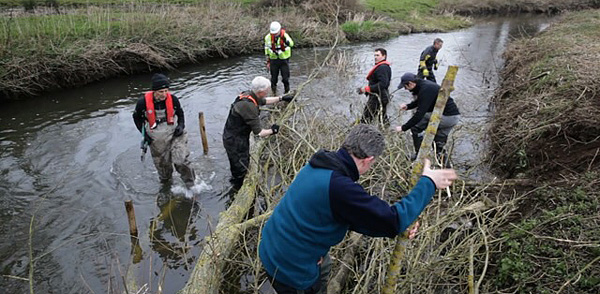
column 421, row 14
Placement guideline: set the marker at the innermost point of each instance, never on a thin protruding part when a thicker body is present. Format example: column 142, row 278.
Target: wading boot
column 417, row 140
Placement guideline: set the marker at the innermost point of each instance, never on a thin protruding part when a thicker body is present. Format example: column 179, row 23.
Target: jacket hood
column 340, row 161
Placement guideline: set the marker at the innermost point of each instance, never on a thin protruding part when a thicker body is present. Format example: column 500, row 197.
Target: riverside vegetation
column 53, row 44
column 546, row 130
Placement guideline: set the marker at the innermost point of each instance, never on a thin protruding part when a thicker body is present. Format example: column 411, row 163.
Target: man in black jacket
column 155, row 114
column 428, row 61
column 242, row 120
column 427, row 93
column 379, row 80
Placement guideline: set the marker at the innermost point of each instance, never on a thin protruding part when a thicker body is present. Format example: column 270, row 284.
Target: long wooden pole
column 203, row 132
column 434, row 122
column 393, row 272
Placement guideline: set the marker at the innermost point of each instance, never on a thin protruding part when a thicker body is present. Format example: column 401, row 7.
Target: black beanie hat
column 159, row 81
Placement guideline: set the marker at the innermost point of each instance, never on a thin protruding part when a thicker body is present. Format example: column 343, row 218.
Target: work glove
column 275, row 128
column 435, row 64
column 425, row 73
column 148, row 139
column 178, row 130
column 289, row 96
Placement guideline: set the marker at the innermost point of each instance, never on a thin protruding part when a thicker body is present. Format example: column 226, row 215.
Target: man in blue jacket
column 324, row 202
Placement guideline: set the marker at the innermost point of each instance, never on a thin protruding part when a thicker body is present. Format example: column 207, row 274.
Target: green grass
column 369, row 29
column 471, row 7
column 32, row 33
column 420, row 14
column 543, row 251
column 402, row 9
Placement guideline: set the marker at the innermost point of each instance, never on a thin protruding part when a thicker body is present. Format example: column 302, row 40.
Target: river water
column 68, row 160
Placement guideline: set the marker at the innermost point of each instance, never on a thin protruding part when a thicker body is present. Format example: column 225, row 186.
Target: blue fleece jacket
column 321, row 205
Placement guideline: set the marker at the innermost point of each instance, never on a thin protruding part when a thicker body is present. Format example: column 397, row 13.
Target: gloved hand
column 275, row 128
column 359, row 90
column 425, row 73
column 435, row 64
column 178, row 130
column 289, row 96
column 148, row 139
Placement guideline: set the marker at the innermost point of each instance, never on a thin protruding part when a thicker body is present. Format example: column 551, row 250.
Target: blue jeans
column 319, row 287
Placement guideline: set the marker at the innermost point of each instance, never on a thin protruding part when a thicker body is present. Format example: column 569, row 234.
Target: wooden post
column 393, row 272
column 131, row 216
column 203, row 132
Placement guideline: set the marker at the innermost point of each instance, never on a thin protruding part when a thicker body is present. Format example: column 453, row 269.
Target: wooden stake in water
column 131, row 217
column 203, row 132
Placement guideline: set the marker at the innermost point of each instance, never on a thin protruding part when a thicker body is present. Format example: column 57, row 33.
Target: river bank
column 85, row 41
column 484, row 7
column 546, row 131
column 57, row 44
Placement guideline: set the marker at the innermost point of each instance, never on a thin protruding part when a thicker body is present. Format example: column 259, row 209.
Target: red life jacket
column 281, row 41
column 375, row 67
column 249, row 97
column 151, row 114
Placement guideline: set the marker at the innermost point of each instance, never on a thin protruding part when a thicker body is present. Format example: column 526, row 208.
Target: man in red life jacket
column 242, row 120
column 278, row 49
column 379, row 80
column 157, row 112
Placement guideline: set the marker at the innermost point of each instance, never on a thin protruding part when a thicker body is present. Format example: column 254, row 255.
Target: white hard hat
column 275, row 27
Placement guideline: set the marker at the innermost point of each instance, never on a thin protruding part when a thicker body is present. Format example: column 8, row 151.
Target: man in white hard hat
column 278, row 48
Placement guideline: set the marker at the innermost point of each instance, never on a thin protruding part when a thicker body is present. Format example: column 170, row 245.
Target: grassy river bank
column 47, row 45
column 66, row 43
column 546, row 131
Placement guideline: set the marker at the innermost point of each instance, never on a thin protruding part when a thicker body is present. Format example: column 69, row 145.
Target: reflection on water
column 172, row 233
column 69, row 159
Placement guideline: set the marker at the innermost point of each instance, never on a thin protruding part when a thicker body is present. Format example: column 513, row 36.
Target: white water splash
column 199, row 187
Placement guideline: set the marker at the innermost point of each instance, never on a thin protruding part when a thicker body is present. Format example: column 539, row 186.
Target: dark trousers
column 375, row 108
column 319, row 287
column 430, row 77
column 238, row 152
column 280, row 65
